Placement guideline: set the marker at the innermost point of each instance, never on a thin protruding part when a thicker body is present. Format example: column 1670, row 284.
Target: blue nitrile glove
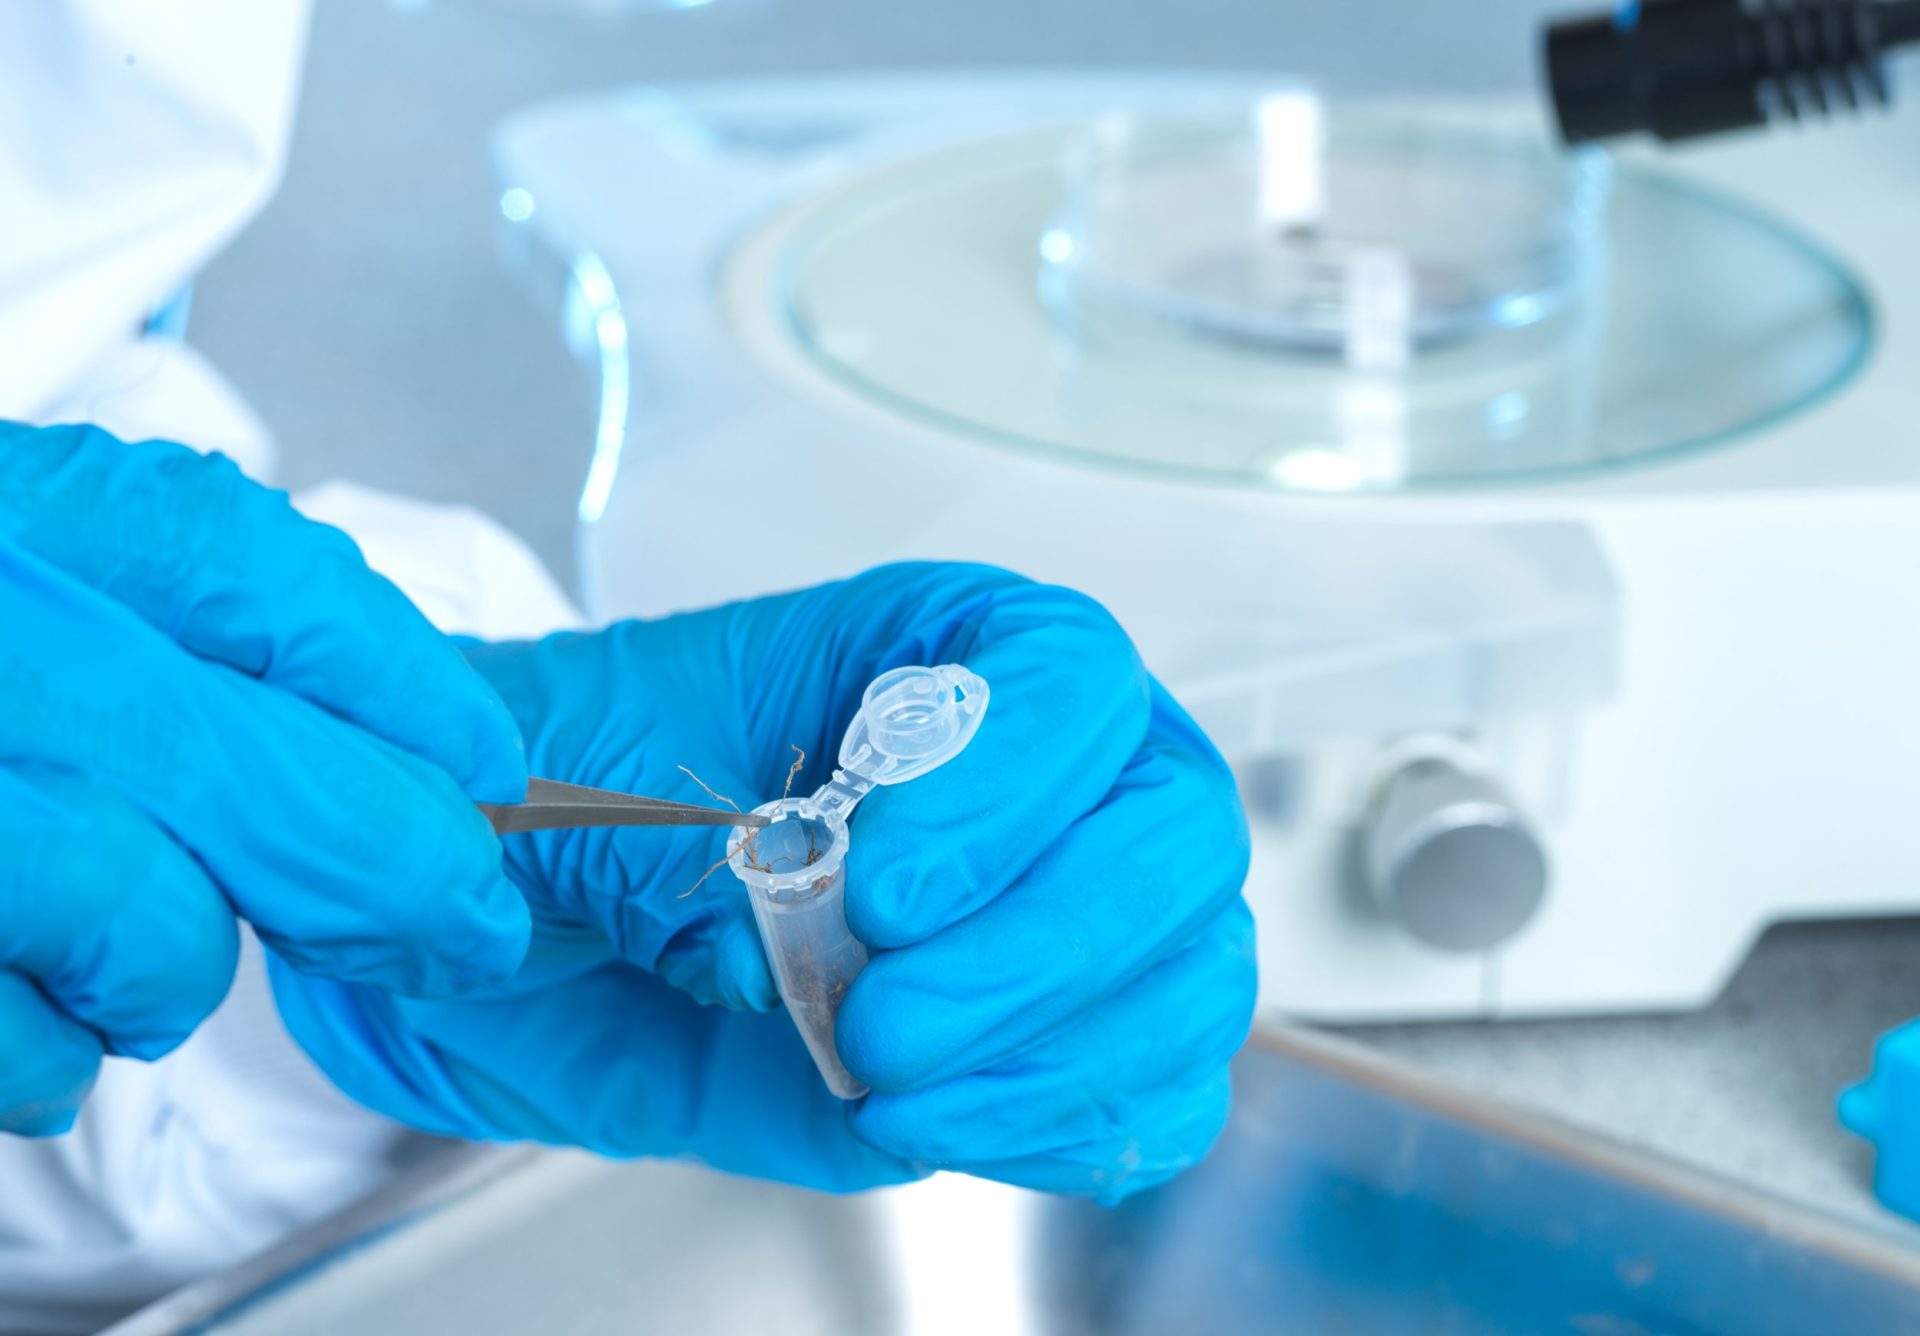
column 1062, row 960
column 210, row 708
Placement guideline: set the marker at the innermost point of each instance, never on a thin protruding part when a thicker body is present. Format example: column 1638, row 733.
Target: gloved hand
column 1062, row 961
column 210, row 708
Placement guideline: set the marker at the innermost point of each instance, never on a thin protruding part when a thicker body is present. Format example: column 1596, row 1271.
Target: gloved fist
column 1062, row 963
column 210, row 708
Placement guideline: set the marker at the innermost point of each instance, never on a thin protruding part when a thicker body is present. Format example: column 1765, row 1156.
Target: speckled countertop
column 1745, row 1088
column 403, row 357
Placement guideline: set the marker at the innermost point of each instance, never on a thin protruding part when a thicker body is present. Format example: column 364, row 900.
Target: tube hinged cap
column 913, row 720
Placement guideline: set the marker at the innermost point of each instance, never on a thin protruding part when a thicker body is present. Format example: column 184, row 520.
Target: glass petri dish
column 1297, row 227
column 1611, row 318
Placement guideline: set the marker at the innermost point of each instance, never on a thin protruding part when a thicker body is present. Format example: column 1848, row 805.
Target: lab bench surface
column 403, row 357
column 1744, row 1088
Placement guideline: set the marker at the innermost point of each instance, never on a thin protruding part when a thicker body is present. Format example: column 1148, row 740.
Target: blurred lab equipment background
column 379, row 250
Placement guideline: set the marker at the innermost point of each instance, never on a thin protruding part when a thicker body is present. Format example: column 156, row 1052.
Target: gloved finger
column 1172, row 1030
column 1130, row 883
column 1173, row 1138
column 617, row 1061
column 48, row 1061
column 114, row 921
column 353, row 857
column 661, row 898
column 660, row 901
column 1070, row 704
column 233, row 573
column 720, row 961
column 637, row 887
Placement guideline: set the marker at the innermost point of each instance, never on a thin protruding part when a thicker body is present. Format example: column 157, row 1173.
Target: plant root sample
column 746, row 844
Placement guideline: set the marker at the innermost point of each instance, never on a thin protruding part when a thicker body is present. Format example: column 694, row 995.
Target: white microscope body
column 1688, row 690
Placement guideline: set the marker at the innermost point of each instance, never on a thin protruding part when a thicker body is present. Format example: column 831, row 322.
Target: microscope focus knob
column 1449, row 856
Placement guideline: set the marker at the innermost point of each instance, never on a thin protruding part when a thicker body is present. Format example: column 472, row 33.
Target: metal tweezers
column 551, row 805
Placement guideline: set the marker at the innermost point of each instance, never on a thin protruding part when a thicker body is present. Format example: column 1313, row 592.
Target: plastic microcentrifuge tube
column 911, row 721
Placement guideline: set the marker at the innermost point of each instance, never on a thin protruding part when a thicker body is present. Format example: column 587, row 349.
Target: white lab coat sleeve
column 460, row 567
column 136, row 137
